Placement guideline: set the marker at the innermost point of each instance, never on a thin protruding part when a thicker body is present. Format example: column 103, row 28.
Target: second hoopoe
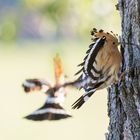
column 52, row 109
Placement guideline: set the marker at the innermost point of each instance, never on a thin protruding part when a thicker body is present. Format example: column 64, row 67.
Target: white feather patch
column 52, row 110
column 55, row 99
column 86, row 98
column 28, row 84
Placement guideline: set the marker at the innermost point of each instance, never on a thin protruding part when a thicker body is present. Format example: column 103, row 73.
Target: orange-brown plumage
column 59, row 74
column 100, row 66
column 109, row 55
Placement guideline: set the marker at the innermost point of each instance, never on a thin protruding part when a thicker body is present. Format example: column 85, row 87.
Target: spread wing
column 90, row 67
column 30, row 85
column 92, row 76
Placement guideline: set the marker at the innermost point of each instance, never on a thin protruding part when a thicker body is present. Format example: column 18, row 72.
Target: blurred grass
column 29, row 60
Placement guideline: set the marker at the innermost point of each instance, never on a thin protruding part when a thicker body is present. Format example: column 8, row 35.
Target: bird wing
column 92, row 74
column 35, row 85
column 90, row 67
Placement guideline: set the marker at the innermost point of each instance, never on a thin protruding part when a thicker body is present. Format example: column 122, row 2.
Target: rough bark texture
column 124, row 98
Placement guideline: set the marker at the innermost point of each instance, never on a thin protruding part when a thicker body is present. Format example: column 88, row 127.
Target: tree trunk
column 124, row 98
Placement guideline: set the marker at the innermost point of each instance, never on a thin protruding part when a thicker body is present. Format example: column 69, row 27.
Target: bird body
column 101, row 65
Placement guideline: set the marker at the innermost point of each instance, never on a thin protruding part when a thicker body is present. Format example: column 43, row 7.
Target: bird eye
column 113, row 43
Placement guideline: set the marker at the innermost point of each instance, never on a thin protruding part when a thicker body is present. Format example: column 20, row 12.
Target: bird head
column 111, row 38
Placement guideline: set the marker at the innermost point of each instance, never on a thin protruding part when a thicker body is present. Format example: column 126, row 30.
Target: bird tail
column 49, row 111
column 78, row 103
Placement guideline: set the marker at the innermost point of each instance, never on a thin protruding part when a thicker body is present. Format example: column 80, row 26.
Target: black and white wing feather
column 91, row 77
column 49, row 111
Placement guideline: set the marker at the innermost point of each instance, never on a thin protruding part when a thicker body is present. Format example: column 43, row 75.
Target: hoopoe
column 52, row 109
column 101, row 65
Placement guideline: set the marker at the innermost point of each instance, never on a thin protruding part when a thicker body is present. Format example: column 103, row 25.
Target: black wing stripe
column 81, row 64
column 93, row 55
column 79, row 71
column 93, row 77
column 94, row 50
column 90, row 46
column 78, row 103
column 85, row 57
column 95, row 86
column 87, row 52
column 96, row 71
column 98, row 84
column 102, row 82
column 108, row 77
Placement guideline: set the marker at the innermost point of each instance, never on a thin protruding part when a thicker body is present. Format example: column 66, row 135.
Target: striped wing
column 90, row 67
column 91, row 77
column 49, row 111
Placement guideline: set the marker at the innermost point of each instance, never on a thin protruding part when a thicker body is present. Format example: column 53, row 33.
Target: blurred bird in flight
column 52, row 109
column 101, row 65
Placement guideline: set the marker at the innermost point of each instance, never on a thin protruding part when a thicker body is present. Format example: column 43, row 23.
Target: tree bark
column 124, row 98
